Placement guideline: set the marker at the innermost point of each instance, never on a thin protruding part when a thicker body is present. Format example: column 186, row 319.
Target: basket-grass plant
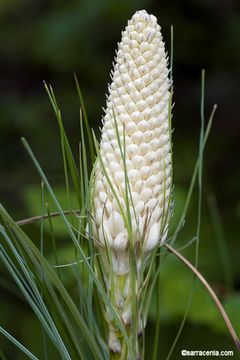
column 119, row 230
column 132, row 176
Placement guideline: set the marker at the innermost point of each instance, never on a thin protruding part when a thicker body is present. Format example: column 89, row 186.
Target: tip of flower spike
column 143, row 16
column 142, row 12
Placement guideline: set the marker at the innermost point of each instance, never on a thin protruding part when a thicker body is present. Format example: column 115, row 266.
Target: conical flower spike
column 133, row 172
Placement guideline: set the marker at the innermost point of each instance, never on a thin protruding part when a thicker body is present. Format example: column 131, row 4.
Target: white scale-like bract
column 138, row 102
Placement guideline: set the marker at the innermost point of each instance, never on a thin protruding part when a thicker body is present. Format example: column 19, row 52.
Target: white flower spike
column 133, row 173
column 138, row 101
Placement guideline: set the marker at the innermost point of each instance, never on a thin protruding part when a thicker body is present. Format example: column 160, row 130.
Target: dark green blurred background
column 48, row 40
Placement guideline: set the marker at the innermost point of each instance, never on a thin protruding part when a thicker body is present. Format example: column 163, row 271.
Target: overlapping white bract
column 138, row 102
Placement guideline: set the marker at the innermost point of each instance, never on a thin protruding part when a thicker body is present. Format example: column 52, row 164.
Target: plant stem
column 123, row 298
column 211, row 292
column 33, row 219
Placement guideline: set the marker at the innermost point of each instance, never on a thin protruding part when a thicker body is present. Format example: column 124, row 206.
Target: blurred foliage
column 32, row 198
column 177, row 280
column 48, row 40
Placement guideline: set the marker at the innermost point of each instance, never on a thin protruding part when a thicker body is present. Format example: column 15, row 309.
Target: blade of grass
column 50, row 278
column 200, row 175
column 45, row 349
column 49, row 215
column 211, row 293
column 17, row 344
column 66, row 149
column 72, row 236
column 32, row 294
column 157, row 327
column 86, row 122
column 193, row 180
column 221, row 240
column 89, row 243
column 133, row 264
